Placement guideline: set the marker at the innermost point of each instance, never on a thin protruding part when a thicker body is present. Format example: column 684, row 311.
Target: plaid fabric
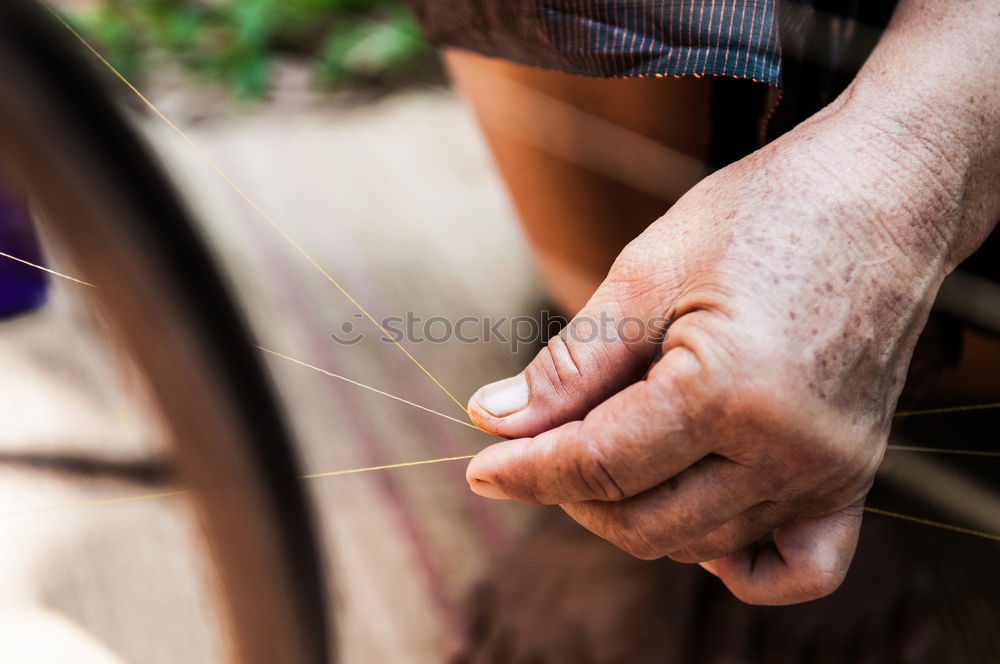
column 605, row 38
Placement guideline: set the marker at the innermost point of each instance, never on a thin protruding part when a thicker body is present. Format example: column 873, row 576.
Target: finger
column 808, row 560
column 601, row 351
column 634, row 441
column 672, row 515
column 746, row 528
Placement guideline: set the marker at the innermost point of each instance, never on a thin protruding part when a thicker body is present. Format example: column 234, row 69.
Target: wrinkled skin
column 796, row 282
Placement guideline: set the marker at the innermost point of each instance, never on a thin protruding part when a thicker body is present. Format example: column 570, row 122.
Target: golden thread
column 253, row 204
column 392, row 466
column 290, row 359
column 95, row 503
column 934, row 524
column 901, row 448
column 172, row 494
column 941, row 450
column 354, row 471
column 949, row 409
column 896, row 448
column 367, row 387
column 45, row 269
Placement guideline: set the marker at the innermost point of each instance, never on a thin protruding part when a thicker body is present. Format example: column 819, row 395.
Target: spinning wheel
column 103, row 200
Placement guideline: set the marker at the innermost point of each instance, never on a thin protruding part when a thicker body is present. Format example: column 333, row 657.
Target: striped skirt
column 747, row 39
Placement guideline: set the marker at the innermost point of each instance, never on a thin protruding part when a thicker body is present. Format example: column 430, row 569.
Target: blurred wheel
column 104, row 201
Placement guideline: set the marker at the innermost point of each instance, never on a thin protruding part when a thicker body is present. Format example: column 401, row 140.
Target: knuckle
column 557, row 368
column 594, row 471
column 805, row 587
column 785, row 448
column 565, row 363
column 522, row 487
column 639, row 547
column 697, row 553
column 526, row 492
column 748, row 595
column 816, row 585
column 636, row 541
column 686, row 556
column 827, row 584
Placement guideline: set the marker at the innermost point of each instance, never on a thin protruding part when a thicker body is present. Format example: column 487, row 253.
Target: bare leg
column 589, row 162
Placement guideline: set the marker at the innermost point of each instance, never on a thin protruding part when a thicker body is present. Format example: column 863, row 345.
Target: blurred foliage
column 238, row 41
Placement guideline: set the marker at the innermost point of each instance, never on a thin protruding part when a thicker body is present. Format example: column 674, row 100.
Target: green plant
column 237, row 41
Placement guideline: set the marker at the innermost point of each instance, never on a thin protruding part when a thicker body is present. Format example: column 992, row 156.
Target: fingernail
column 504, row 397
column 487, row 490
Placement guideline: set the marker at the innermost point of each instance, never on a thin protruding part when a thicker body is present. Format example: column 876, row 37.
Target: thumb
column 807, row 560
column 599, row 353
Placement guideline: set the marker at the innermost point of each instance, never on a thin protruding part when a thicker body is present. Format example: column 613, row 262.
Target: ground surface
column 398, row 201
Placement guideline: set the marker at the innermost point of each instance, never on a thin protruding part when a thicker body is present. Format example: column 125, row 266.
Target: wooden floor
column 400, row 203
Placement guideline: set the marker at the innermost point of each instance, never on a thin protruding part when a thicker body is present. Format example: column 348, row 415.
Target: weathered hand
column 795, row 282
